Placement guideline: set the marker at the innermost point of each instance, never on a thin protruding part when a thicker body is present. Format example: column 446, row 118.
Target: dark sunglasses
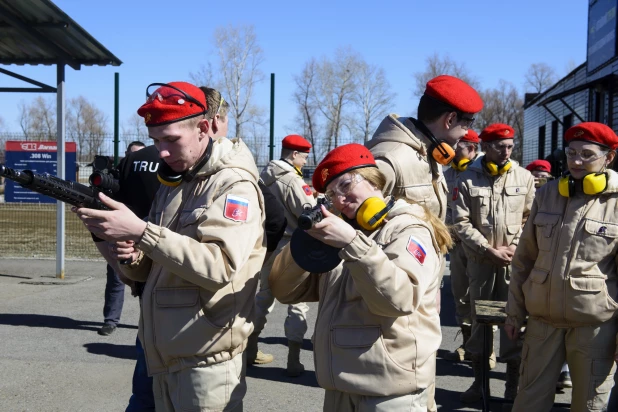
column 150, row 96
column 468, row 121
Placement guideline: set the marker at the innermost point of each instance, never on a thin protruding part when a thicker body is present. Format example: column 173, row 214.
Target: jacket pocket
column 515, row 197
column 180, row 326
column 589, row 300
column 480, row 198
column 597, row 240
column 191, row 216
column 420, row 193
column 361, row 365
column 536, row 292
column 544, row 227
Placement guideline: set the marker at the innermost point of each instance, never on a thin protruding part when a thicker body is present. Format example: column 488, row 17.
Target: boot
column 254, row 355
column 473, row 394
column 295, row 368
column 512, row 379
column 460, row 354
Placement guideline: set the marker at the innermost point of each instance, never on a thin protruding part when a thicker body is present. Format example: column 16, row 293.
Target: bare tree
column 335, row 89
column 239, row 57
column 133, row 129
column 437, row 65
column 570, row 66
column 504, row 104
column 539, row 77
column 373, row 96
column 87, row 126
column 204, row 76
column 307, row 105
column 258, row 129
column 38, row 119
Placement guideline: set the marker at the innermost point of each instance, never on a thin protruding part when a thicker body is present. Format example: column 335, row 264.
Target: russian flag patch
column 236, row 208
column 417, row 249
column 308, row 190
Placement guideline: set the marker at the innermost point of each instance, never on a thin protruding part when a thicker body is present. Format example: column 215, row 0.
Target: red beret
column 339, row 161
column 541, row 165
column 296, row 142
column 497, row 131
column 168, row 105
column 454, row 92
column 471, row 137
column 593, row 132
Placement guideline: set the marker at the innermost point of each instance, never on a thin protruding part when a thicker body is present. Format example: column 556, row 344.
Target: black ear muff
column 168, row 177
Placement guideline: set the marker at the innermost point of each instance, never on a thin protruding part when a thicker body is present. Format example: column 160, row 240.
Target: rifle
column 73, row 193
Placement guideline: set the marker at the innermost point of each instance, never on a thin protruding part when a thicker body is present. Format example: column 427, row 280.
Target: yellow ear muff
column 462, row 165
column 595, row 183
column 167, row 176
column 566, row 186
column 496, row 170
column 443, row 153
column 372, row 212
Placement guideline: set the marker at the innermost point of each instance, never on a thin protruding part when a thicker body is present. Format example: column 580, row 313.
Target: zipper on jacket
column 553, row 264
column 317, row 322
column 344, row 278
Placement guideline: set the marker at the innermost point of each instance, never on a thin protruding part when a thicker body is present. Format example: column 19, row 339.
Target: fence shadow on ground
column 50, row 321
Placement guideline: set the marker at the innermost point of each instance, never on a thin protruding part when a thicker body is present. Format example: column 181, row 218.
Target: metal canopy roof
column 39, row 32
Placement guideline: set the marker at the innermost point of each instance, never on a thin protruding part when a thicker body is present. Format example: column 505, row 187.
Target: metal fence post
column 271, row 153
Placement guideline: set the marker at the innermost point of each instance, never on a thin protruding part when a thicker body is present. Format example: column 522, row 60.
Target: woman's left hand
column 333, row 230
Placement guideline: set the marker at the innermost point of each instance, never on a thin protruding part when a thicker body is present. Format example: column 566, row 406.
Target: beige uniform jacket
column 489, row 211
column 564, row 269
column 400, row 150
column 377, row 328
column 290, row 189
column 202, row 247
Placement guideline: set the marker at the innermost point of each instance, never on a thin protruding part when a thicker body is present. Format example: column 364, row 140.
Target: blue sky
column 163, row 41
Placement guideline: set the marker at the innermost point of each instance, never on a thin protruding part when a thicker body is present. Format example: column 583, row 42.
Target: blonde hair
column 441, row 232
column 215, row 102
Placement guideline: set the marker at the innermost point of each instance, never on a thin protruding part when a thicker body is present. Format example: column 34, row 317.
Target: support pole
column 116, row 120
column 272, row 117
column 60, row 168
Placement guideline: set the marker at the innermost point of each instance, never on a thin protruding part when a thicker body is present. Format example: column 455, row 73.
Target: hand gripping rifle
column 66, row 191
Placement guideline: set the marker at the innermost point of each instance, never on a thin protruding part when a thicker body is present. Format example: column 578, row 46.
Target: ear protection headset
column 168, row 177
column 372, row 212
column 496, row 170
column 592, row 184
column 462, row 165
column 441, row 151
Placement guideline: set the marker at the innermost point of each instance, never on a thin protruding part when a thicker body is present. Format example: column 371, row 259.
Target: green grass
column 29, row 230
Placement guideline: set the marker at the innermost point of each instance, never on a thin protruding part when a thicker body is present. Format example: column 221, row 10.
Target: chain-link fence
column 29, row 229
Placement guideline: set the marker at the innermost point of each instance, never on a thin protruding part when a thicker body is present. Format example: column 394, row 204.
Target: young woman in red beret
column 378, row 328
column 564, row 278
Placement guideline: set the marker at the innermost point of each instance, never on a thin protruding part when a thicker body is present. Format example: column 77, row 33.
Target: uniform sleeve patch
column 417, row 249
column 455, row 193
column 308, row 190
column 236, row 208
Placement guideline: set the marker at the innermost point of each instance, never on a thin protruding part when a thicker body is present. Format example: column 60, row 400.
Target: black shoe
column 564, row 381
column 107, row 329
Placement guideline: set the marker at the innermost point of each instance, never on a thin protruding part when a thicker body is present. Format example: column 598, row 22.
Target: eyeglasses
column 466, row 121
column 585, row 155
column 164, row 93
column 501, row 148
column 464, row 145
column 219, row 107
column 344, row 186
column 304, row 156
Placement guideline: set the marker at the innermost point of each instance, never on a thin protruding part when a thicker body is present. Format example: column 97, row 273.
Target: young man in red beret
column 492, row 202
column 199, row 273
column 284, row 178
column 466, row 152
column 410, row 152
column 541, row 170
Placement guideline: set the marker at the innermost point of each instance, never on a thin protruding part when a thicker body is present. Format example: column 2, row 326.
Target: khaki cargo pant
column 588, row 350
column 335, row 401
column 218, row 387
column 295, row 325
column 489, row 282
column 460, row 284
